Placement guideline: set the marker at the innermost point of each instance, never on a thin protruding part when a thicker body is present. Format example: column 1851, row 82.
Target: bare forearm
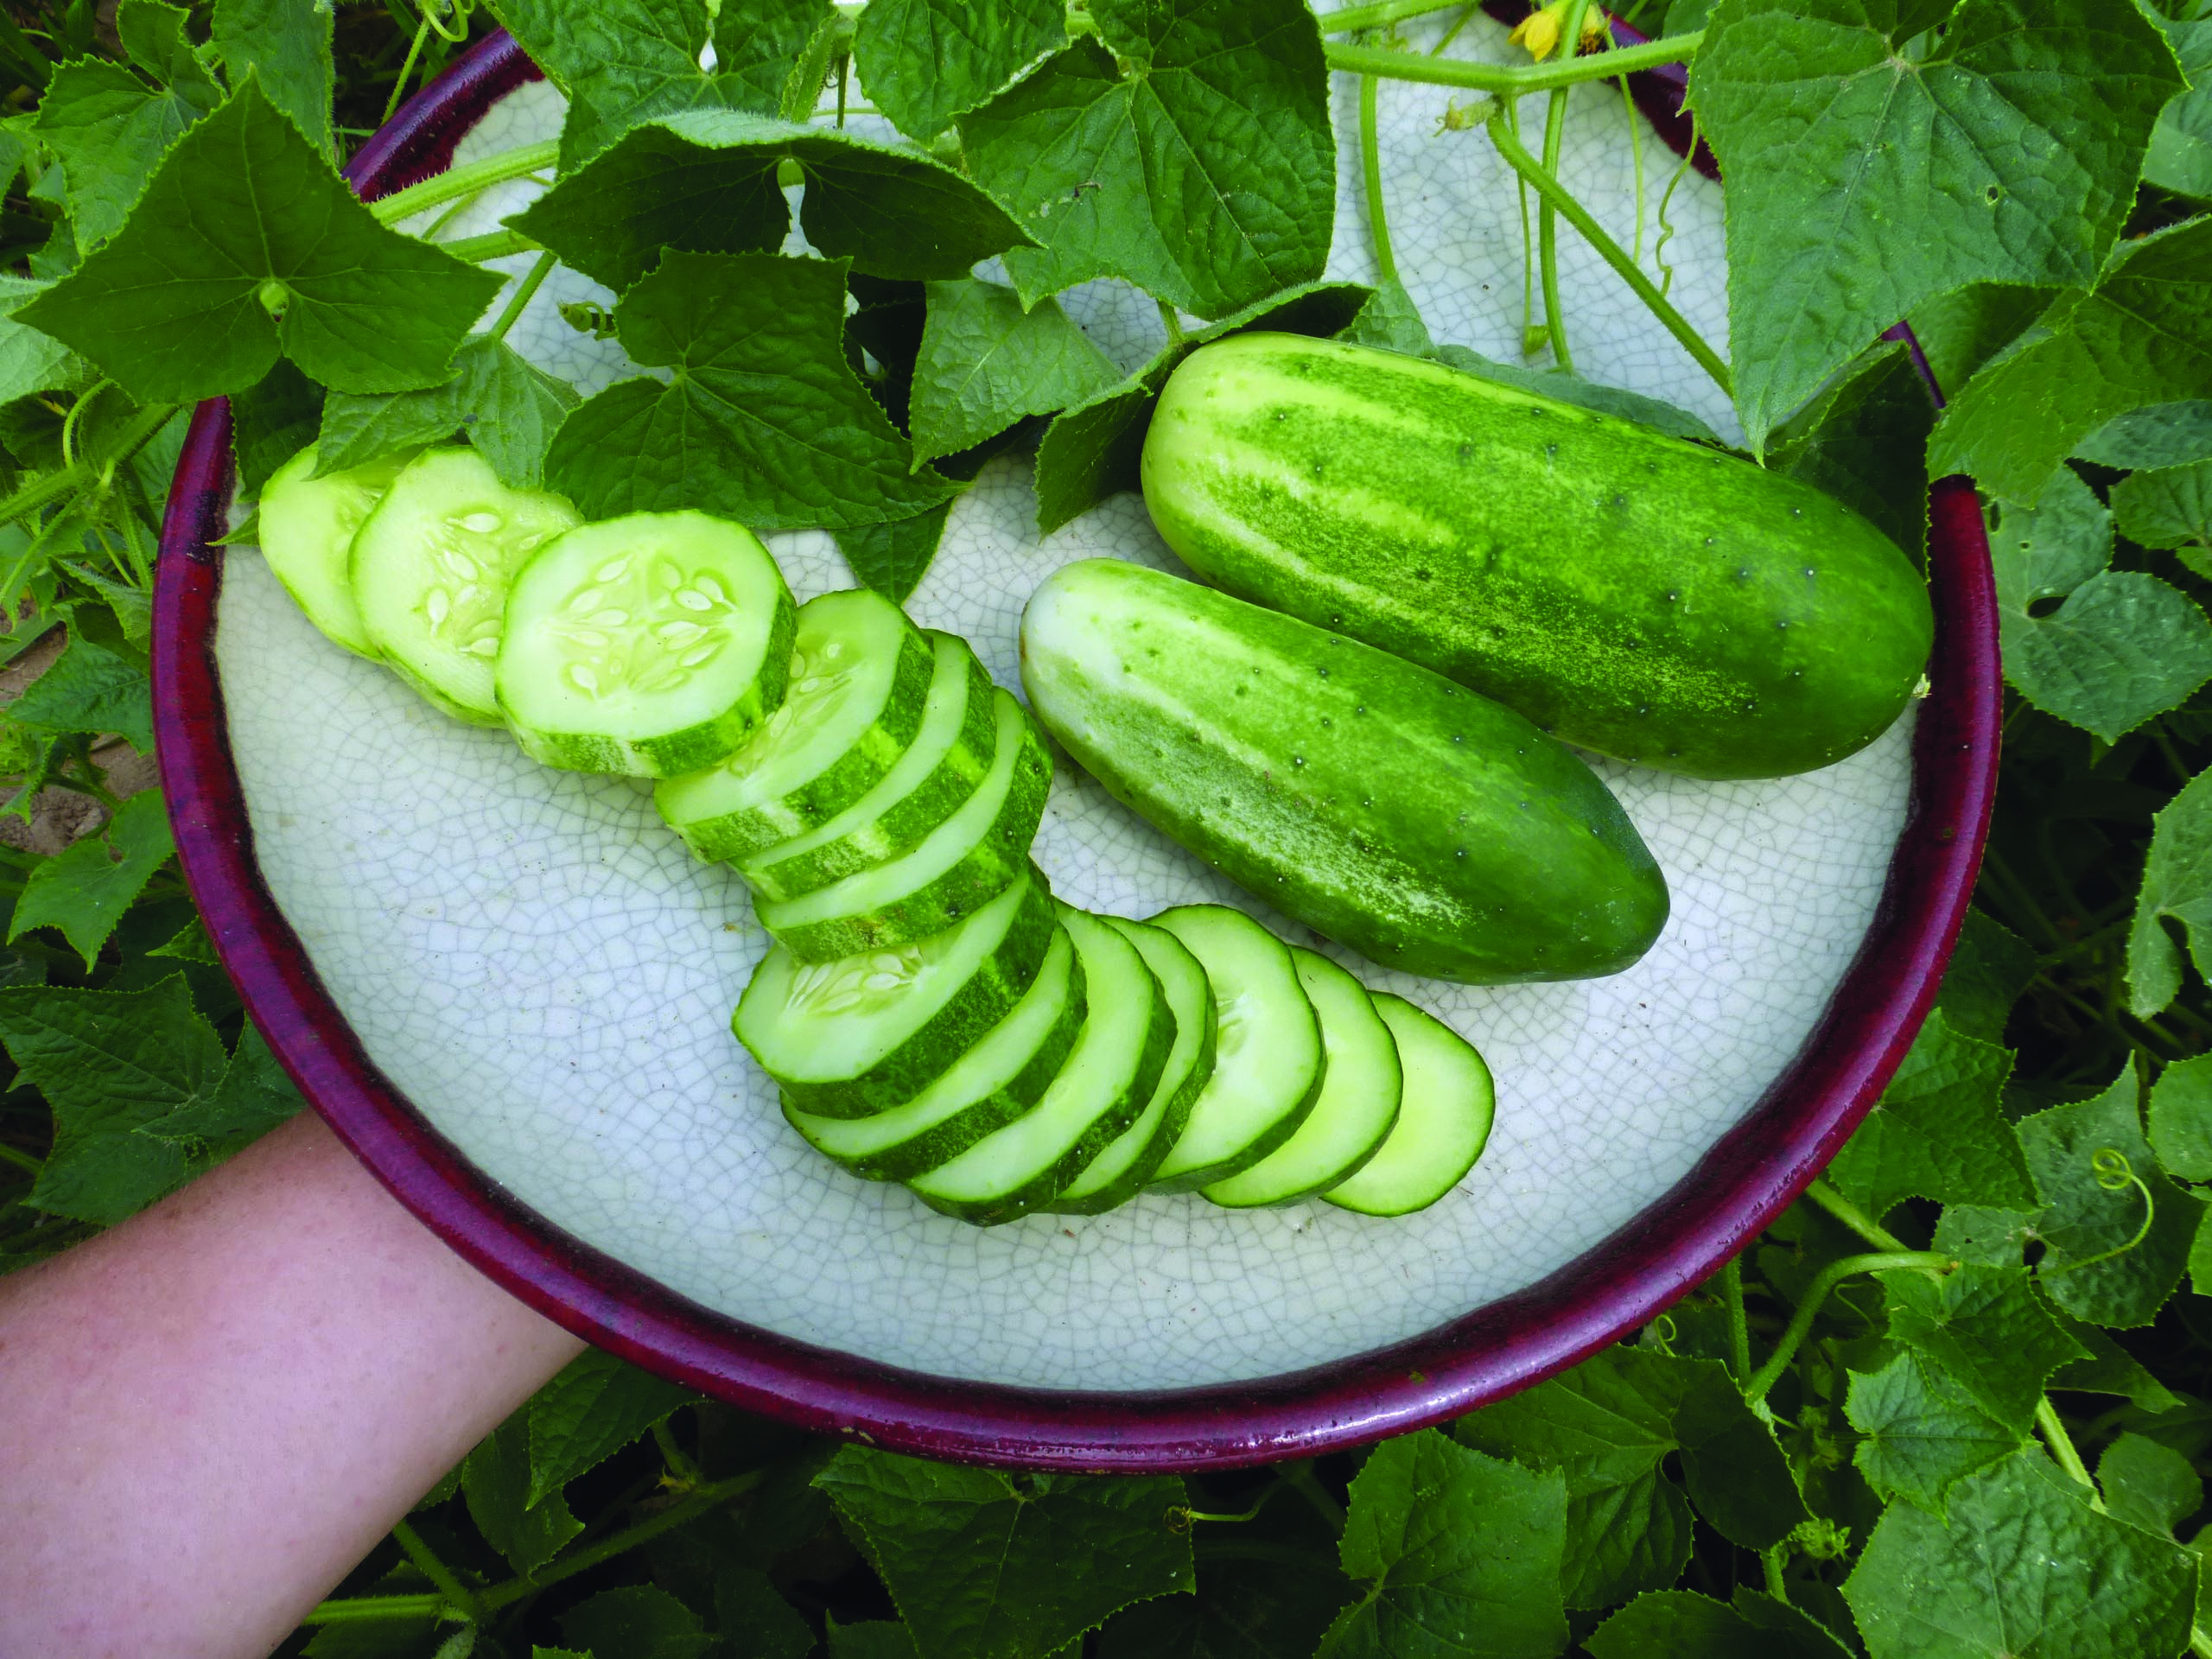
column 213, row 1411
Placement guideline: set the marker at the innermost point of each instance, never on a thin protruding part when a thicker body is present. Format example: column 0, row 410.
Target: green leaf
column 2142, row 335
column 986, row 363
column 1864, row 440
column 109, row 131
column 31, row 362
column 495, row 1482
column 2162, row 434
column 2181, row 1119
column 1991, row 966
column 637, row 1622
column 871, row 1639
column 1392, row 322
column 191, row 943
column 760, row 48
column 597, row 1405
column 2010, row 144
column 1463, row 1553
column 2170, row 507
column 2109, row 1369
column 894, row 557
column 2176, row 883
column 925, row 62
column 1962, row 330
column 245, row 213
column 1682, row 1625
column 285, row 44
column 1206, row 174
column 1244, row 1608
column 1936, row 1132
column 90, row 690
column 1589, row 394
column 2151, row 1484
column 2083, row 1219
column 1732, row 1466
column 508, row 407
column 763, row 420
column 254, row 1097
column 2180, row 156
column 1922, row 1439
column 83, row 890
column 985, row 1565
column 705, row 181
column 1985, row 1333
column 271, row 422
column 755, row 1621
column 2025, row 1566
column 1986, row 1235
column 1606, row 1425
column 108, row 1062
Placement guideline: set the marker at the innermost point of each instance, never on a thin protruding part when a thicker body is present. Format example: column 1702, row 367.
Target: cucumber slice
column 845, row 1038
column 1268, row 1062
column 654, row 643
column 306, row 531
column 1358, row 1103
column 966, row 860
column 989, row 1086
column 1443, row 1122
column 1117, row 1174
column 1111, row 1072
column 860, row 678
column 940, row 769
column 430, row 567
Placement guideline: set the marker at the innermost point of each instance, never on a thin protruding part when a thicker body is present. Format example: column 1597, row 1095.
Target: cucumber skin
column 1441, row 834
column 936, row 798
column 1634, row 594
column 732, row 835
column 986, row 999
column 694, row 747
column 980, row 875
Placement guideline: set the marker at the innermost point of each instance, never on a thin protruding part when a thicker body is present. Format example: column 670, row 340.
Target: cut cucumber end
column 1444, row 1121
column 308, row 526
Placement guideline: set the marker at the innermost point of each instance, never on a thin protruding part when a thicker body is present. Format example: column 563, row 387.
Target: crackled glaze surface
column 540, row 967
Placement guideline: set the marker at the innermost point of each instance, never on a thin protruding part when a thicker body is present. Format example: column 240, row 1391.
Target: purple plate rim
column 1741, row 1184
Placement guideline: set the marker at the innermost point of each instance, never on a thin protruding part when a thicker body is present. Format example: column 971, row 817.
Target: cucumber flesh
column 1269, row 1064
column 430, row 567
column 966, row 860
column 1000, row 1078
column 940, row 769
column 859, row 680
column 652, row 644
column 867, row 1032
column 1109, row 1074
column 1358, row 1104
column 1117, row 1174
column 1443, row 1120
column 307, row 525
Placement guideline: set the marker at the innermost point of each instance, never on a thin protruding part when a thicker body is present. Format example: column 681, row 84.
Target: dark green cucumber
column 1632, row 592
column 1397, row 813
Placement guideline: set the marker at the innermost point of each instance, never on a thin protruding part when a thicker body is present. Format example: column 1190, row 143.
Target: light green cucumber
column 860, row 678
column 847, row 1037
column 1128, row 1031
column 961, row 863
column 1387, row 809
column 307, row 525
column 1358, row 1103
column 994, row 1082
column 951, row 752
column 1632, row 592
column 650, row 644
column 1444, row 1118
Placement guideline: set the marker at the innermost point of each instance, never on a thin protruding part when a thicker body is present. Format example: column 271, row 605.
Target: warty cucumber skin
column 1631, row 593
column 1387, row 809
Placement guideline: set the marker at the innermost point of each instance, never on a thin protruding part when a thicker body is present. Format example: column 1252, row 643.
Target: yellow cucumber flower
column 1540, row 29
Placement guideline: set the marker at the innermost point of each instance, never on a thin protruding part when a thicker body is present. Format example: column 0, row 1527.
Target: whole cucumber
column 1637, row 594
column 1426, row 827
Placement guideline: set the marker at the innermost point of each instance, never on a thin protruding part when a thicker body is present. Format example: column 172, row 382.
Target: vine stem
column 1739, row 1330
column 2061, row 1447
column 22, row 1159
column 1508, row 80
column 1853, row 1217
column 1370, row 162
column 1300, row 1475
column 2199, row 1643
column 1171, row 320
column 1835, row 1273
column 531, row 282
column 1547, row 213
column 1354, row 19
column 465, row 181
column 493, row 245
column 43, row 492
column 1555, row 194
column 441, row 1576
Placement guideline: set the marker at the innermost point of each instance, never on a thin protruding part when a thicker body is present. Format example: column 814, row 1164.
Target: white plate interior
column 544, row 972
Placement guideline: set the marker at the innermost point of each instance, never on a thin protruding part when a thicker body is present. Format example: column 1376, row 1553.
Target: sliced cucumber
column 939, row 770
column 961, row 863
column 1117, row 1174
column 653, row 645
column 1000, row 1078
column 306, row 532
column 1358, row 1103
column 844, row 1038
column 1268, row 1062
column 430, row 567
column 860, row 678
column 1443, row 1122
column 1109, row 1074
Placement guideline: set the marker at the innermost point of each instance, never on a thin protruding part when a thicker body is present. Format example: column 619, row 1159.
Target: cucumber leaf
column 760, row 52
column 272, row 422
column 286, row 45
column 637, row 1621
column 2181, row 1119
column 1920, row 1438
column 506, row 405
column 495, row 1482
column 874, row 1639
column 91, row 690
column 1683, row 1625
column 2176, row 883
column 1205, row 174
column 246, row 220
column 1962, row 330
column 1991, row 967
column 1864, row 440
column 925, row 62
column 2169, row 507
column 756, row 1623
column 83, row 890
column 1985, row 1332
column 705, row 182
column 2149, row 1483
column 762, row 419
column 109, row 131
column 254, row 1097
column 594, row 1407
column 2025, row 1564
column 2010, row 141
column 2163, row 434
column 31, row 362
column 2180, row 156
column 1245, row 1608
column 986, row 363
column 894, row 557
column 2109, row 1369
